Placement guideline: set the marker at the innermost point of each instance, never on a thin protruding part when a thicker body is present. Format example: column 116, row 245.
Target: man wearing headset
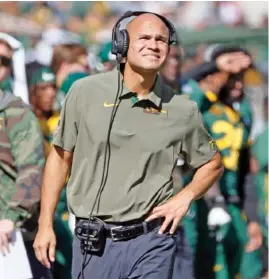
column 120, row 134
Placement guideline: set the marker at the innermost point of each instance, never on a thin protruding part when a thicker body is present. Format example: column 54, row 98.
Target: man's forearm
column 56, row 171
column 204, row 178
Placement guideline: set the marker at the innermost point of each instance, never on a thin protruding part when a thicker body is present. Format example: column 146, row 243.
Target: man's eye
column 163, row 40
column 145, row 38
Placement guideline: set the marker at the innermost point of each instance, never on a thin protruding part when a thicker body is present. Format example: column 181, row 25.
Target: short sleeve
column 198, row 147
column 65, row 135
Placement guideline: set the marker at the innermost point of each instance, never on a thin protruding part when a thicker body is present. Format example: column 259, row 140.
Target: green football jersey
column 246, row 113
column 260, row 149
column 203, row 99
column 260, row 152
column 231, row 136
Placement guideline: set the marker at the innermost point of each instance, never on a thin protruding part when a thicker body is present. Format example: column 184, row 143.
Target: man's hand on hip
column 6, row 230
column 173, row 211
column 44, row 245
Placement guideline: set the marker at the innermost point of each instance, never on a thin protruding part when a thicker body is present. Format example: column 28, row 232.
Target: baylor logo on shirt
column 155, row 111
column 212, row 144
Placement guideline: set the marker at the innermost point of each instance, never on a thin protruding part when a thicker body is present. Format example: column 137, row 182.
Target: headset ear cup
column 125, row 42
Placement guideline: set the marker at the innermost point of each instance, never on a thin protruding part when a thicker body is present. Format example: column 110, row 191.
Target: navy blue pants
column 183, row 265
column 38, row 270
column 148, row 256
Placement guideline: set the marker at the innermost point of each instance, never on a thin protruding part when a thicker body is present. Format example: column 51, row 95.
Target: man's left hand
column 173, row 211
column 6, row 229
column 255, row 237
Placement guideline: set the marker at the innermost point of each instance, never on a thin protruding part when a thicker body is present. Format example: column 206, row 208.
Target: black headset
column 120, row 38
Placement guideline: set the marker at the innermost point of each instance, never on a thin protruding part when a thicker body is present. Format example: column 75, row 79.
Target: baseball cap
column 105, row 54
column 42, row 75
column 215, row 51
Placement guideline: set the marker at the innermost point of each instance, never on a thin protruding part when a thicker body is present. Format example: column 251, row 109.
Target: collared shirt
column 145, row 140
column 203, row 99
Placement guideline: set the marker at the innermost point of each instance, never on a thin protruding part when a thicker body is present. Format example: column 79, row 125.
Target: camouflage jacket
column 21, row 160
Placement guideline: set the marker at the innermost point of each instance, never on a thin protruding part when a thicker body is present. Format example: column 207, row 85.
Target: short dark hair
column 227, row 49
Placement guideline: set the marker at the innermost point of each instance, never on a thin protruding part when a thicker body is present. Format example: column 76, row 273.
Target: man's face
column 5, row 62
column 235, row 87
column 171, row 67
column 68, row 68
column 45, row 96
column 218, row 81
column 83, row 61
column 148, row 47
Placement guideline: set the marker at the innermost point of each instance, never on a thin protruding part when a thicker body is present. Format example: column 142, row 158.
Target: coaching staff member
column 123, row 150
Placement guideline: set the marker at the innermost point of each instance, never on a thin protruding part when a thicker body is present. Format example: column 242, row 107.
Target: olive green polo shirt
column 145, row 141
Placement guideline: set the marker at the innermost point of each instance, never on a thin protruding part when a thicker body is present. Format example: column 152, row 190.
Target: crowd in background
column 89, row 17
column 71, row 40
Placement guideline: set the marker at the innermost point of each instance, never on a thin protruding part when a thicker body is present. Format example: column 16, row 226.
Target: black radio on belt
column 91, row 234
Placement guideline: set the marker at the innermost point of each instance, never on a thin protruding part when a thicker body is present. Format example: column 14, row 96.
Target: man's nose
column 51, row 91
column 239, row 85
column 153, row 44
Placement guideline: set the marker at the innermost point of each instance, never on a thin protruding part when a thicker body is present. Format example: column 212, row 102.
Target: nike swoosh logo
column 47, row 76
column 106, row 105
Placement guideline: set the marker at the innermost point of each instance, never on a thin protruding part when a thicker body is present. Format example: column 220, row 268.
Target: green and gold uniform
column 231, row 136
column 204, row 101
column 260, row 153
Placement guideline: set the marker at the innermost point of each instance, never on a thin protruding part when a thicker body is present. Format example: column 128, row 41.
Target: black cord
column 107, row 147
column 105, row 169
column 108, row 144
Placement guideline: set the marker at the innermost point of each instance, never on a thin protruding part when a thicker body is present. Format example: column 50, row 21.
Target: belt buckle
column 113, row 233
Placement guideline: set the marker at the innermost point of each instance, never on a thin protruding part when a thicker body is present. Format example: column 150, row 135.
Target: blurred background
column 40, row 26
column 55, row 43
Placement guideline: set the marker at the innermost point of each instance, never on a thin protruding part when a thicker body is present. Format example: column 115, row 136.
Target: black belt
column 118, row 233
column 128, row 232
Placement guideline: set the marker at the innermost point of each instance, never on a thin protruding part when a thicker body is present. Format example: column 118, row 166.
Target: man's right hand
column 44, row 245
column 233, row 62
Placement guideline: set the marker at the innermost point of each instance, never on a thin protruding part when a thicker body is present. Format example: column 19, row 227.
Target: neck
column 204, row 86
column 140, row 83
column 42, row 114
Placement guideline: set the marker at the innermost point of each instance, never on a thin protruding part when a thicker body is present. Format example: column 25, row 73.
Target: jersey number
column 232, row 140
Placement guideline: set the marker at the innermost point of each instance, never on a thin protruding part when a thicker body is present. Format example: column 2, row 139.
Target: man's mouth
column 154, row 56
column 236, row 92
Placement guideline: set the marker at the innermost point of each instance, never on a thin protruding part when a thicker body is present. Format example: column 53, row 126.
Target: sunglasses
column 5, row 61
